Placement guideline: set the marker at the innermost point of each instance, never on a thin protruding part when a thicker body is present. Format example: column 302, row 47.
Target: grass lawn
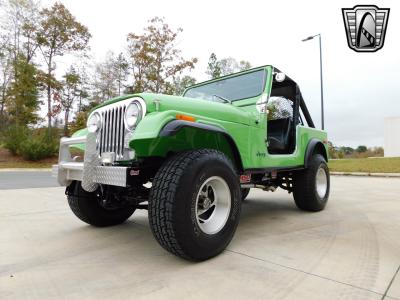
column 369, row 165
column 9, row 161
column 25, row 164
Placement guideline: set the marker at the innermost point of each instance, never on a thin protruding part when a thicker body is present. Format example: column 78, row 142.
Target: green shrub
column 32, row 144
column 40, row 145
column 14, row 137
column 36, row 150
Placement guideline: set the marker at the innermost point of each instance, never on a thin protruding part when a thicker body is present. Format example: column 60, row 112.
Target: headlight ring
column 94, row 122
column 133, row 114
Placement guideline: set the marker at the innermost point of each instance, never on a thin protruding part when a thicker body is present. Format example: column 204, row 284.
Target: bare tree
column 21, row 20
column 110, row 77
column 105, row 85
column 121, row 70
column 5, row 74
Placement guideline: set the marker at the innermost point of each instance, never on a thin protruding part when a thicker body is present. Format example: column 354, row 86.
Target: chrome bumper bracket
column 90, row 171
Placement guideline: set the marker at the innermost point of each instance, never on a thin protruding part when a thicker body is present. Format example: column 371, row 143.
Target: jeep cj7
column 192, row 159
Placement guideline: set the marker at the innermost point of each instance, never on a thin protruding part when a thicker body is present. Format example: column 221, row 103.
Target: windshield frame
column 265, row 76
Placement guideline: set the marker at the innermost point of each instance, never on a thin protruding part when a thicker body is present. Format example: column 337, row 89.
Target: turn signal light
column 185, row 118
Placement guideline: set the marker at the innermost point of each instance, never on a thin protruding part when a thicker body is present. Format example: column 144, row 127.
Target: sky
column 360, row 89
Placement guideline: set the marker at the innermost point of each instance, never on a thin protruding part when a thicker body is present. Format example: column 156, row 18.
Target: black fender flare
column 173, row 127
column 313, row 145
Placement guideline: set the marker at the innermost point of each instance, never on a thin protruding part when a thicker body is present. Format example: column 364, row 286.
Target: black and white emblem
column 365, row 27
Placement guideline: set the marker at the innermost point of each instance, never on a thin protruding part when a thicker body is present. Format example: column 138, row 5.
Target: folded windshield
column 230, row 89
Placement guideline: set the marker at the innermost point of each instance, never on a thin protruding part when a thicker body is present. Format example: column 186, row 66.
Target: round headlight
column 94, row 122
column 133, row 114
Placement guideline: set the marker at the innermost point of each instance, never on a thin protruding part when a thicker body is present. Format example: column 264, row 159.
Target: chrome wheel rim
column 321, row 182
column 213, row 205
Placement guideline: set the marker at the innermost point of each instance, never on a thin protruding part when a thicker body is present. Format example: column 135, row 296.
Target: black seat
column 279, row 135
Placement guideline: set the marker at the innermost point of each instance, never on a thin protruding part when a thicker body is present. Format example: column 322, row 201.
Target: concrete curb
column 392, row 175
column 25, row 170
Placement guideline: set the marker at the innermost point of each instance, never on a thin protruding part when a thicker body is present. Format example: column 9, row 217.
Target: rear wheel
column 194, row 204
column 88, row 207
column 311, row 186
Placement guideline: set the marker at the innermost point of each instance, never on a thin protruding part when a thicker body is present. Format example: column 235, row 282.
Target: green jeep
column 192, row 159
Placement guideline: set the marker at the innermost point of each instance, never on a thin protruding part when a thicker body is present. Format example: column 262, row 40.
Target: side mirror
column 279, row 77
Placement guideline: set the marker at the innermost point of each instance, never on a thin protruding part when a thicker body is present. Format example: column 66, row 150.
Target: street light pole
column 320, row 69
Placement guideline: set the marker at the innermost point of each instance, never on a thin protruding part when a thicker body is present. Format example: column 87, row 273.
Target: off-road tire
column 172, row 204
column 245, row 193
column 87, row 208
column 305, row 188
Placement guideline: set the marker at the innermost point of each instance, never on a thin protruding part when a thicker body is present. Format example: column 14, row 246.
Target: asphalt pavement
column 11, row 180
column 351, row 250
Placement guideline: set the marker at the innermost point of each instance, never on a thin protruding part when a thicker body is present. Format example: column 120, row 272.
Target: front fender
column 80, row 132
column 161, row 134
column 174, row 127
column 150, row 126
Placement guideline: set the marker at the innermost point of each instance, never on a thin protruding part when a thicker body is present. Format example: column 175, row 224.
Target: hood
column 193, row 106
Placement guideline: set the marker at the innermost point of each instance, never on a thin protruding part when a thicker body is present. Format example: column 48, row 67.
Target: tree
column 22, row 95
column 121, row 71
column 69, row 93
column 230, row 65
column 331, row 150
column 155, row 58
column 80, row 119
column 83, row 88
column 244, row 65
column 18, row 17
column 213, row 69
column 31, row 44
column 106, row 83
column 44, row 81
column 361, row 149
column 225, row 66
column 59, row 33
column 21, row 19
column 6, row 66
column 347, row 150
column 180, row 84
column 83, row 94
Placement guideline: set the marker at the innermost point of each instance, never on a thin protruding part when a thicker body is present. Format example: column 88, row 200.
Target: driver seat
column 279, row 135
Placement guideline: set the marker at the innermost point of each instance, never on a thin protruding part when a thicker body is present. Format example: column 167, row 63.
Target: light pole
column 320, row 68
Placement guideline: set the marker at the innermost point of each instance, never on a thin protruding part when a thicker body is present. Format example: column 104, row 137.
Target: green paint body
column 241, row 120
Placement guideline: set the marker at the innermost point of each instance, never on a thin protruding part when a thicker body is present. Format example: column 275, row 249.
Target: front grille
column 112, row 133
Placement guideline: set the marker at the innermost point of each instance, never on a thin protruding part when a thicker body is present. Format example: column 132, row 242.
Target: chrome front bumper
column 90, row 171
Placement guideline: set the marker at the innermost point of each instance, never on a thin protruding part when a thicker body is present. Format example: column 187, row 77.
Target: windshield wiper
column 222, row 98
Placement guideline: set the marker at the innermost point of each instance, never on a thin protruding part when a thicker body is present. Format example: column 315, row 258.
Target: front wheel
column 88, row 208
column 194, row 204
column 312, row 185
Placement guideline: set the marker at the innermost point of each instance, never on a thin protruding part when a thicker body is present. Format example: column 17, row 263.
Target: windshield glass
column 230, row 89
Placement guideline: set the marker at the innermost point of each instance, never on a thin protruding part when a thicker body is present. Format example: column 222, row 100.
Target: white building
column 392, row 137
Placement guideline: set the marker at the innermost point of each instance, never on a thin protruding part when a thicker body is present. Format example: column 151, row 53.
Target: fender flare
column 314, row 144
column 174, row 126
